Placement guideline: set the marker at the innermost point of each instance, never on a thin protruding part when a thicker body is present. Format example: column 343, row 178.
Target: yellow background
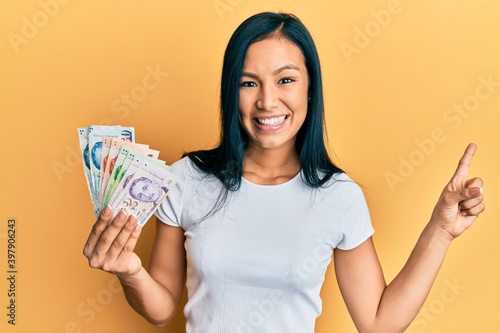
column 67, row 64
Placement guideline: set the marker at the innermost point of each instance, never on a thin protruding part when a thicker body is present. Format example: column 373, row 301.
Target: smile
column 271, row 121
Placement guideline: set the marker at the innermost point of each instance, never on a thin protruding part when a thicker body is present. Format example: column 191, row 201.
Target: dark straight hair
column 226, row 160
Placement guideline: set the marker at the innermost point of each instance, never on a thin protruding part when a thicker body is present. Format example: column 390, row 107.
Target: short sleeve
column 170, row 210
column 356, row 225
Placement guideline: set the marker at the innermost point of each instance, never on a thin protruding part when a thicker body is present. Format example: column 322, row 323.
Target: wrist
column 439, row 233
column 129, row 278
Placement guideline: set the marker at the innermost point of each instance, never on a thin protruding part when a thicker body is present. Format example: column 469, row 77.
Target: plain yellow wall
column 407, row 85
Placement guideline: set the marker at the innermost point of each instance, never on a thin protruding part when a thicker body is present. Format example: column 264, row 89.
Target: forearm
column 149, row 298
column 405, row 295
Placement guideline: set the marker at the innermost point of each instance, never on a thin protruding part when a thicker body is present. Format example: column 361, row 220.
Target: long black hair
column 226, row 160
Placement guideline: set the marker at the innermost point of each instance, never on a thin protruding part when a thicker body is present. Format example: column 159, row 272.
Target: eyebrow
column 284, row 68
column 276, row 72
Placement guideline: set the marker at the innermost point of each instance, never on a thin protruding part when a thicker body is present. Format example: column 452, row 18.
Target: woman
column 252, row 224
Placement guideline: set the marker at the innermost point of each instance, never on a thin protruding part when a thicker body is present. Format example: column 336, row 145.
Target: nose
column 268, row 98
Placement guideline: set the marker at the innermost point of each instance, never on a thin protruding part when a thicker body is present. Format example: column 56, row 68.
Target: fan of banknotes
column 121, row 173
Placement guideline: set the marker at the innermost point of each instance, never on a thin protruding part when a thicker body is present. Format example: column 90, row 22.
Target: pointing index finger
column 464, row 164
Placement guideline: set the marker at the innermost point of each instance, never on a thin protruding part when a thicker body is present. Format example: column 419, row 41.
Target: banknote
column 122, row 173
column 132, row 164
column 118, row 155
column 106, row 146
column 124, row 160
column 83, row 133
column 109, row 160
column 144, row 191
column 95, row 139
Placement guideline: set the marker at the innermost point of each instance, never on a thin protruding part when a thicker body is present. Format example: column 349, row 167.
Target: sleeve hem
column 167, row 221
column 360, row 241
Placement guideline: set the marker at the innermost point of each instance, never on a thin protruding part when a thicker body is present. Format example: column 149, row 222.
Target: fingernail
column 106, row 210
column 137, row 228
column 476, row 191
column 122, row 215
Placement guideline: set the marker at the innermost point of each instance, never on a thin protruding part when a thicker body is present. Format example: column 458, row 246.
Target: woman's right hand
column 110, row 246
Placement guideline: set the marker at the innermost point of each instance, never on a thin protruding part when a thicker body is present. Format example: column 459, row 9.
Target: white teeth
column 271, row 121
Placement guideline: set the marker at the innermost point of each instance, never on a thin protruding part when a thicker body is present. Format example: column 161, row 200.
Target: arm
column 377, row 307
column 155, row 294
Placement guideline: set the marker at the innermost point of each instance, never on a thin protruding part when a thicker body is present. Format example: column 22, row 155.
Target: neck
column 270, row 166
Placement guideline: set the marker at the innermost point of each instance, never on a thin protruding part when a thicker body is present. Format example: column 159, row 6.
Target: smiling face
column 273, row 93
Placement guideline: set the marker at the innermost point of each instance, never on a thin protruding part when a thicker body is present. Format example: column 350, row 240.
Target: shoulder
column 342, row 189
column 180, row 166
column 185, row 168
column 190, row 175
column 341, row 182
column 188, row 184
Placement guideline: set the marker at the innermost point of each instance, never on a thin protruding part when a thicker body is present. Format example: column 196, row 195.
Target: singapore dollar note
column 121, row 173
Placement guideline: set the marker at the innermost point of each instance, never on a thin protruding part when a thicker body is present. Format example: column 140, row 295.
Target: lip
column 270, row 128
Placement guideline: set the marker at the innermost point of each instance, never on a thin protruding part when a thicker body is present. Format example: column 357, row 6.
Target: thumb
column 453, row 198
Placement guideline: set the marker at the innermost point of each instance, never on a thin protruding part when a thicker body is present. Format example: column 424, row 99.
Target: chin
column 274, row 144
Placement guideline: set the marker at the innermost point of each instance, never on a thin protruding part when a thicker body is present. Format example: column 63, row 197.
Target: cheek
column 244, row 110
column 298, row 103
column 243, row 105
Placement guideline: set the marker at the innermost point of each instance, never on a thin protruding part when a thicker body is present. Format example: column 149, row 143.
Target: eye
column 248, row 84
column 145, row 187
column 286, row 80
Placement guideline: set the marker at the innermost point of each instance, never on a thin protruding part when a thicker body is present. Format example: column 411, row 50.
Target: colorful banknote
column 109, row 160
column 121, row 173
column 83, row 134
column 96, row 135
column 142, row 192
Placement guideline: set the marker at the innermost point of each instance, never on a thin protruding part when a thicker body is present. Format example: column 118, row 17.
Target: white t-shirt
column 258, row 263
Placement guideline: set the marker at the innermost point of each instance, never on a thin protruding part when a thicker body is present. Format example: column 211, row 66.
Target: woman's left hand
column 461, row 201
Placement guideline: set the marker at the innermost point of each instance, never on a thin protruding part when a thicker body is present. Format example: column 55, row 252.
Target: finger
column 129, row 248
column 109, row 235
column 468, row 204
column 474, row 211
column 474, row 182
column 464, row 164
column 122, row 241
column 97, row 229
column 453, row 198
column 132, row 240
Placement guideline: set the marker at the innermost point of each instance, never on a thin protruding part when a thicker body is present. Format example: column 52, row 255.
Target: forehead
column 142, row 181
column 273, row 53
